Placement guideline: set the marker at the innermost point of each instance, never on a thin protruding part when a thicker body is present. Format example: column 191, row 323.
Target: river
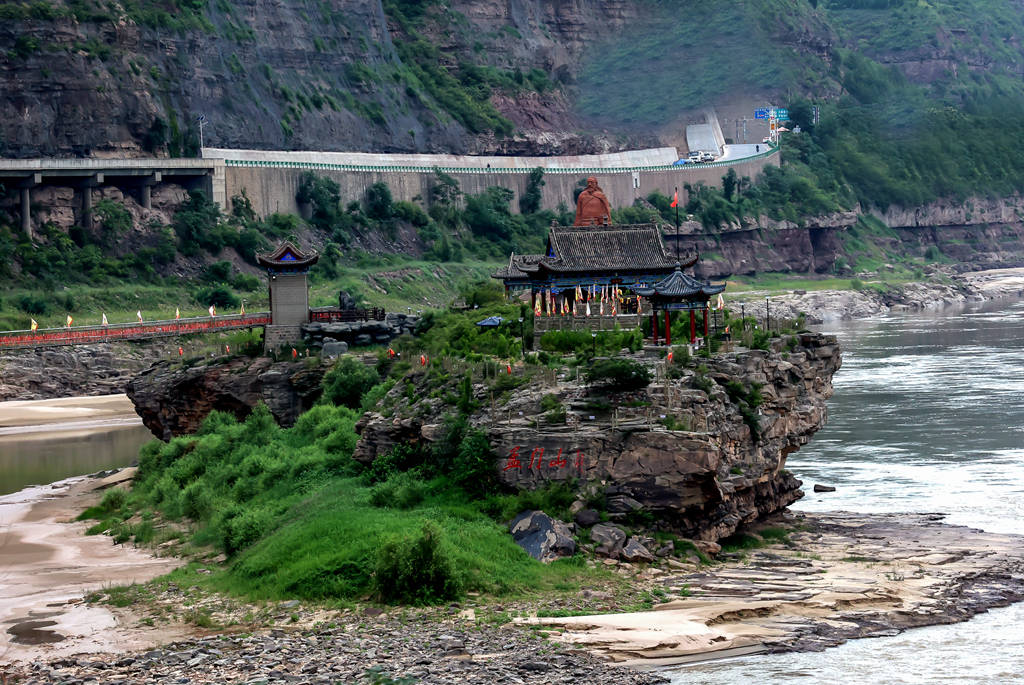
column 49, row 440
column 928, row 416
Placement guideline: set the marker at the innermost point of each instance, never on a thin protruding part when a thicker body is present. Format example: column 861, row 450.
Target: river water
column 927, row 416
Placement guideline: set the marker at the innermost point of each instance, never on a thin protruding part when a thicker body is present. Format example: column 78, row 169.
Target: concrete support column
column 87, row 187
column 145, row 190
column 26, row 211
column 26, row 202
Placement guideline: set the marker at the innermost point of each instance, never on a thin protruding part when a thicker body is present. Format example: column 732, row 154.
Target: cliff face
column 114, row 81
column 684, row 454
column 173, row 399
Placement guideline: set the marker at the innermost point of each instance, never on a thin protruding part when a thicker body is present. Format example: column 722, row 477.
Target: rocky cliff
column 702, row 449
column 173, row 397
column 72, row 371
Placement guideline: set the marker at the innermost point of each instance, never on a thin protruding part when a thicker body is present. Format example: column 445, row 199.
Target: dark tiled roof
column 518, row 266
column 678, row 284
column 607, row 248
column 595, row 249
column 288, row 255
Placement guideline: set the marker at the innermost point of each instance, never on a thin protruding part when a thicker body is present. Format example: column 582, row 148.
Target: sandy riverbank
column 49, row 564
column 840, row 576
column 66, row 413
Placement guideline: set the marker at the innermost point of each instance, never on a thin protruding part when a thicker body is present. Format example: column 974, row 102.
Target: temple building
column 595, row 275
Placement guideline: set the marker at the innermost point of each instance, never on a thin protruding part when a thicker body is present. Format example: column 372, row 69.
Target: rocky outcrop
column 695, row 449
column 173, row 398
column 45, row 373
column 319, row 334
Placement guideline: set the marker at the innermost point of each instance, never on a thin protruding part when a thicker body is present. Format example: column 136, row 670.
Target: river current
column 927, row 416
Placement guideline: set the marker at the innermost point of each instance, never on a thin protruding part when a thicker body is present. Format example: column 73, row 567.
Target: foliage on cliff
column 299, row 518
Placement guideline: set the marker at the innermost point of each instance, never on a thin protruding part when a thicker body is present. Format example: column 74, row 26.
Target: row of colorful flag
column 610, row 294
column 138, row 315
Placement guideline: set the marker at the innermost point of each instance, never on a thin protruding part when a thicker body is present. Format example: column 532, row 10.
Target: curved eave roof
column 287, row 255
column 678, row 284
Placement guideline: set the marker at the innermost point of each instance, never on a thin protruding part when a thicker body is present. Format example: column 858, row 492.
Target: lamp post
column 522, row 336
column 593, row 345
column 767, row 315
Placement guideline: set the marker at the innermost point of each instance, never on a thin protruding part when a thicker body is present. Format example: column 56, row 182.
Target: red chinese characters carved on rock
column 537, row 462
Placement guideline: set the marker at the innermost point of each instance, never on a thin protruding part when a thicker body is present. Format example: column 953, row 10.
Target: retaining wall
column 271, row 179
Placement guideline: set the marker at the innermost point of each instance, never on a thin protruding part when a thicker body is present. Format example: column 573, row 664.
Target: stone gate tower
column 287, row 268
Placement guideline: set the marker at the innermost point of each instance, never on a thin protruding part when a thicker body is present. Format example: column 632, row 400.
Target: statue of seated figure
column 592, row 207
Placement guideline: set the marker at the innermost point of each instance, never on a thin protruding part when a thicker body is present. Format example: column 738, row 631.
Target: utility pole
column 201, row 120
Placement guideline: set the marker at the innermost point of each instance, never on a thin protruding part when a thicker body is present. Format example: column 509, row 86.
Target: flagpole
column 677, row 224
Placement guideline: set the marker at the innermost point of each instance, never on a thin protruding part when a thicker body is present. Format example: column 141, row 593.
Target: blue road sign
column 761, row 113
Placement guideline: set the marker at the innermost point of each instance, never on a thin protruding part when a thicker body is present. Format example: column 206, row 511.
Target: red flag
column 391, row 353
column 508, row 367
column 227, row 348
column 675, row 200
column 181, row 352
column 423, row 360
column 670, row 356
column 295, row 353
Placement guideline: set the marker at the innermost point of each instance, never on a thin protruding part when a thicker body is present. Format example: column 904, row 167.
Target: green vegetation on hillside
column 298, row 517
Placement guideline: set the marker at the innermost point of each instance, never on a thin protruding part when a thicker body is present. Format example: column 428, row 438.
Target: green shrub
column 245, row 529
column 402, row 491
column 219, row 296
column 619, row 374
column 417, row 570
column 475, row 464
column 347, row 382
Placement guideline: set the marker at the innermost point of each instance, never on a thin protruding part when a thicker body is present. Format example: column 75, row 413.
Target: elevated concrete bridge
column 271, row 178
column 131, row 175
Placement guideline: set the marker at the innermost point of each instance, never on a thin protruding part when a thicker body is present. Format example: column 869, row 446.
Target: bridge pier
column 87, row 185
column 145, row 190
column 25, row 187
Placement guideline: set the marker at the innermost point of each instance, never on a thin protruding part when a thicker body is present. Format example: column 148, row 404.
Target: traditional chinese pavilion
column 597, row 276
column 679, row 292
column 287, row 268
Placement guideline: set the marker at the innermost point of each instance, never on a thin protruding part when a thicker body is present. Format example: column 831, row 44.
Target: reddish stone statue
column 592, row 208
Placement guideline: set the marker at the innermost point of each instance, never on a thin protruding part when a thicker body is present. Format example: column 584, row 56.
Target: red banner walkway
column 84, row 335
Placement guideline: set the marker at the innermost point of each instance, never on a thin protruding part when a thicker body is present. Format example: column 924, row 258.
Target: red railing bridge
column 84, row 335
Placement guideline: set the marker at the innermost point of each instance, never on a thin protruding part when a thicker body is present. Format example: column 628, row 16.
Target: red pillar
column 654, row 326
column 668, row 330
column 693, row 327
column 706, row 312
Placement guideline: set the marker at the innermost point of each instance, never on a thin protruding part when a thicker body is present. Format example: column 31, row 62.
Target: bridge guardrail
column 325, row 166
column 80, row 335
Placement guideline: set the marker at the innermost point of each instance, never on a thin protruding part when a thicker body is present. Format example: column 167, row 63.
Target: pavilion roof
column 589, row 249
column 288, row 255
column 678, row 284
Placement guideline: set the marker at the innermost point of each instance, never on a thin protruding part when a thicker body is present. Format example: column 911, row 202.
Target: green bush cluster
column 348, row 381
column 583, row 344
column 619, row 374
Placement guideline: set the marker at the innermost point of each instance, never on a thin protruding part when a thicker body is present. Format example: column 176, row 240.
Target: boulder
column 823, row 488
column 707, row 547
column 362, row 339
column 587, row 518
column 335, row 348
column 544, row 538
column 635, row 551
column 609, row 539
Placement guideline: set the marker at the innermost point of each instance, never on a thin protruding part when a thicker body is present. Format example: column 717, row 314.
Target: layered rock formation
column 697, row 451
column 45, row 373
column 173, row 398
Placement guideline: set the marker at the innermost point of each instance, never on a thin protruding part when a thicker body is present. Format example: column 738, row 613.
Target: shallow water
column 928, row 416
column 45, row 456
